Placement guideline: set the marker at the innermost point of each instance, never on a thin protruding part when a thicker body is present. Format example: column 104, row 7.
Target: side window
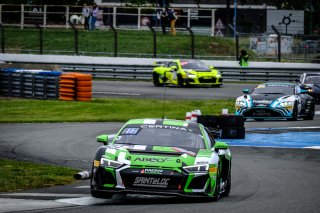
column 173, row 64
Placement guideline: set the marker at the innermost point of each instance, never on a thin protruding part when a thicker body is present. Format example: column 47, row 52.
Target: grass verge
column 21, row 175
column 16, row 110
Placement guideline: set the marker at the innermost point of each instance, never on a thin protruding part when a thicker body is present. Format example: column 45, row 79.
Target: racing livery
column 161, row 157
column 186, row 72
column 276, row 100
column 311, row 83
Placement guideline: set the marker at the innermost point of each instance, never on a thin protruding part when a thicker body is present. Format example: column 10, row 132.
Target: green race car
column 186, row 72
column 161, row 157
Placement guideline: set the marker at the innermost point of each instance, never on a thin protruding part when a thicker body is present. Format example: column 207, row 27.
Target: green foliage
column 20, row 175
column 103, row 109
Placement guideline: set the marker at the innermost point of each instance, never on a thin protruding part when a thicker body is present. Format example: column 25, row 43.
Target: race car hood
column 315, row 87
column 158, row 156
column 265, row 99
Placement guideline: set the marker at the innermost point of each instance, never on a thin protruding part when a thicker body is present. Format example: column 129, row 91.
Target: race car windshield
column 313, row 79
column 160, row 137
column 191, row 65
column 285, row 90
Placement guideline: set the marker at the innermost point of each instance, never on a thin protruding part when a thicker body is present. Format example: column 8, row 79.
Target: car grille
column 210, row 80
column 136, row 178
column 261, row 112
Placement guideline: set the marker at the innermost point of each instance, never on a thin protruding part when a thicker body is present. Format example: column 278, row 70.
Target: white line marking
column 312, row 147
column 118, row 93
column 84, row 201
column 82, row 187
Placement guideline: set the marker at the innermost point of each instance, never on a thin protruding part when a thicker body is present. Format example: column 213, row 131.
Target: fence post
column 192, row 41
column 75, row 37
column 115, row 35
column 154, row 40
column 279, row 41
column 2, row 37
column 237, row 41
column 40, row 39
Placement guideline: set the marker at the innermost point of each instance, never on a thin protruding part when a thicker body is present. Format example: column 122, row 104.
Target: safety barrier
column 75, row 86
column 37, row 84
column 231, row 73
column 42, row 84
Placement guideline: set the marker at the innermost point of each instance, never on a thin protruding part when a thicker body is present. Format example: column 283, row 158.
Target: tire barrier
column 75, row 86
column 38, row 84
column 224, row 126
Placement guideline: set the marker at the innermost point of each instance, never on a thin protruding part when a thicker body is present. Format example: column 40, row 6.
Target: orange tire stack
column 76, row 86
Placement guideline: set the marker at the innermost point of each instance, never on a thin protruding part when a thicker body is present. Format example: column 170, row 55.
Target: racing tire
column 104, row 195
column 294, row 113
column 156, row 82
column 228, row 185
column 84, row 89
column 231, row 121
column 98, row 194
column 180, row 81
column 310, row 116
column 258, row 119
column 209, row 120
column 217, row 194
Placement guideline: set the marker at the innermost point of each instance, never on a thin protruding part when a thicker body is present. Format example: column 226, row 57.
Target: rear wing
column 161, row 63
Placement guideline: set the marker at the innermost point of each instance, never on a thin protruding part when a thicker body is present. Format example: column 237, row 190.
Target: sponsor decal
column 152, row 160
column 151, row 182
column 262, row 101
column 152, row 171
column 202, row 162
column 180, row 128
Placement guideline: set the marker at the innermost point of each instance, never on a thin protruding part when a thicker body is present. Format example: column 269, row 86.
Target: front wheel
column 216, row 195
column 310, row 116
column 180, row 81
column 294, row 113
column 156, row 81
column 101, row 195
column 228, row 185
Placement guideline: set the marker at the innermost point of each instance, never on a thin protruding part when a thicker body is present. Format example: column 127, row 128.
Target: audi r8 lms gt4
column 311, row 83
column 161, row 157
column 276, row 100
column 186, row 72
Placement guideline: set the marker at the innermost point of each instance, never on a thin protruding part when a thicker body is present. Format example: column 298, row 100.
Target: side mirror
column 221, row 145
column 103, row 139
column 211, row 67
column 246, row 91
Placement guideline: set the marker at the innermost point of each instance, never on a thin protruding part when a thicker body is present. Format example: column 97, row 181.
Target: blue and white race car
column 276, row 100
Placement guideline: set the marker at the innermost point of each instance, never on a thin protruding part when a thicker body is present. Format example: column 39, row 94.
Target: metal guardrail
column 144, row 72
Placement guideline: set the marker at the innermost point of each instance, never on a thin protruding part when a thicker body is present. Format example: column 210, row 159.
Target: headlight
column 110, row 163
column 310, row 90
column 191, row 76
column 240, row 103
column 198, row 168
column 286, row 104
